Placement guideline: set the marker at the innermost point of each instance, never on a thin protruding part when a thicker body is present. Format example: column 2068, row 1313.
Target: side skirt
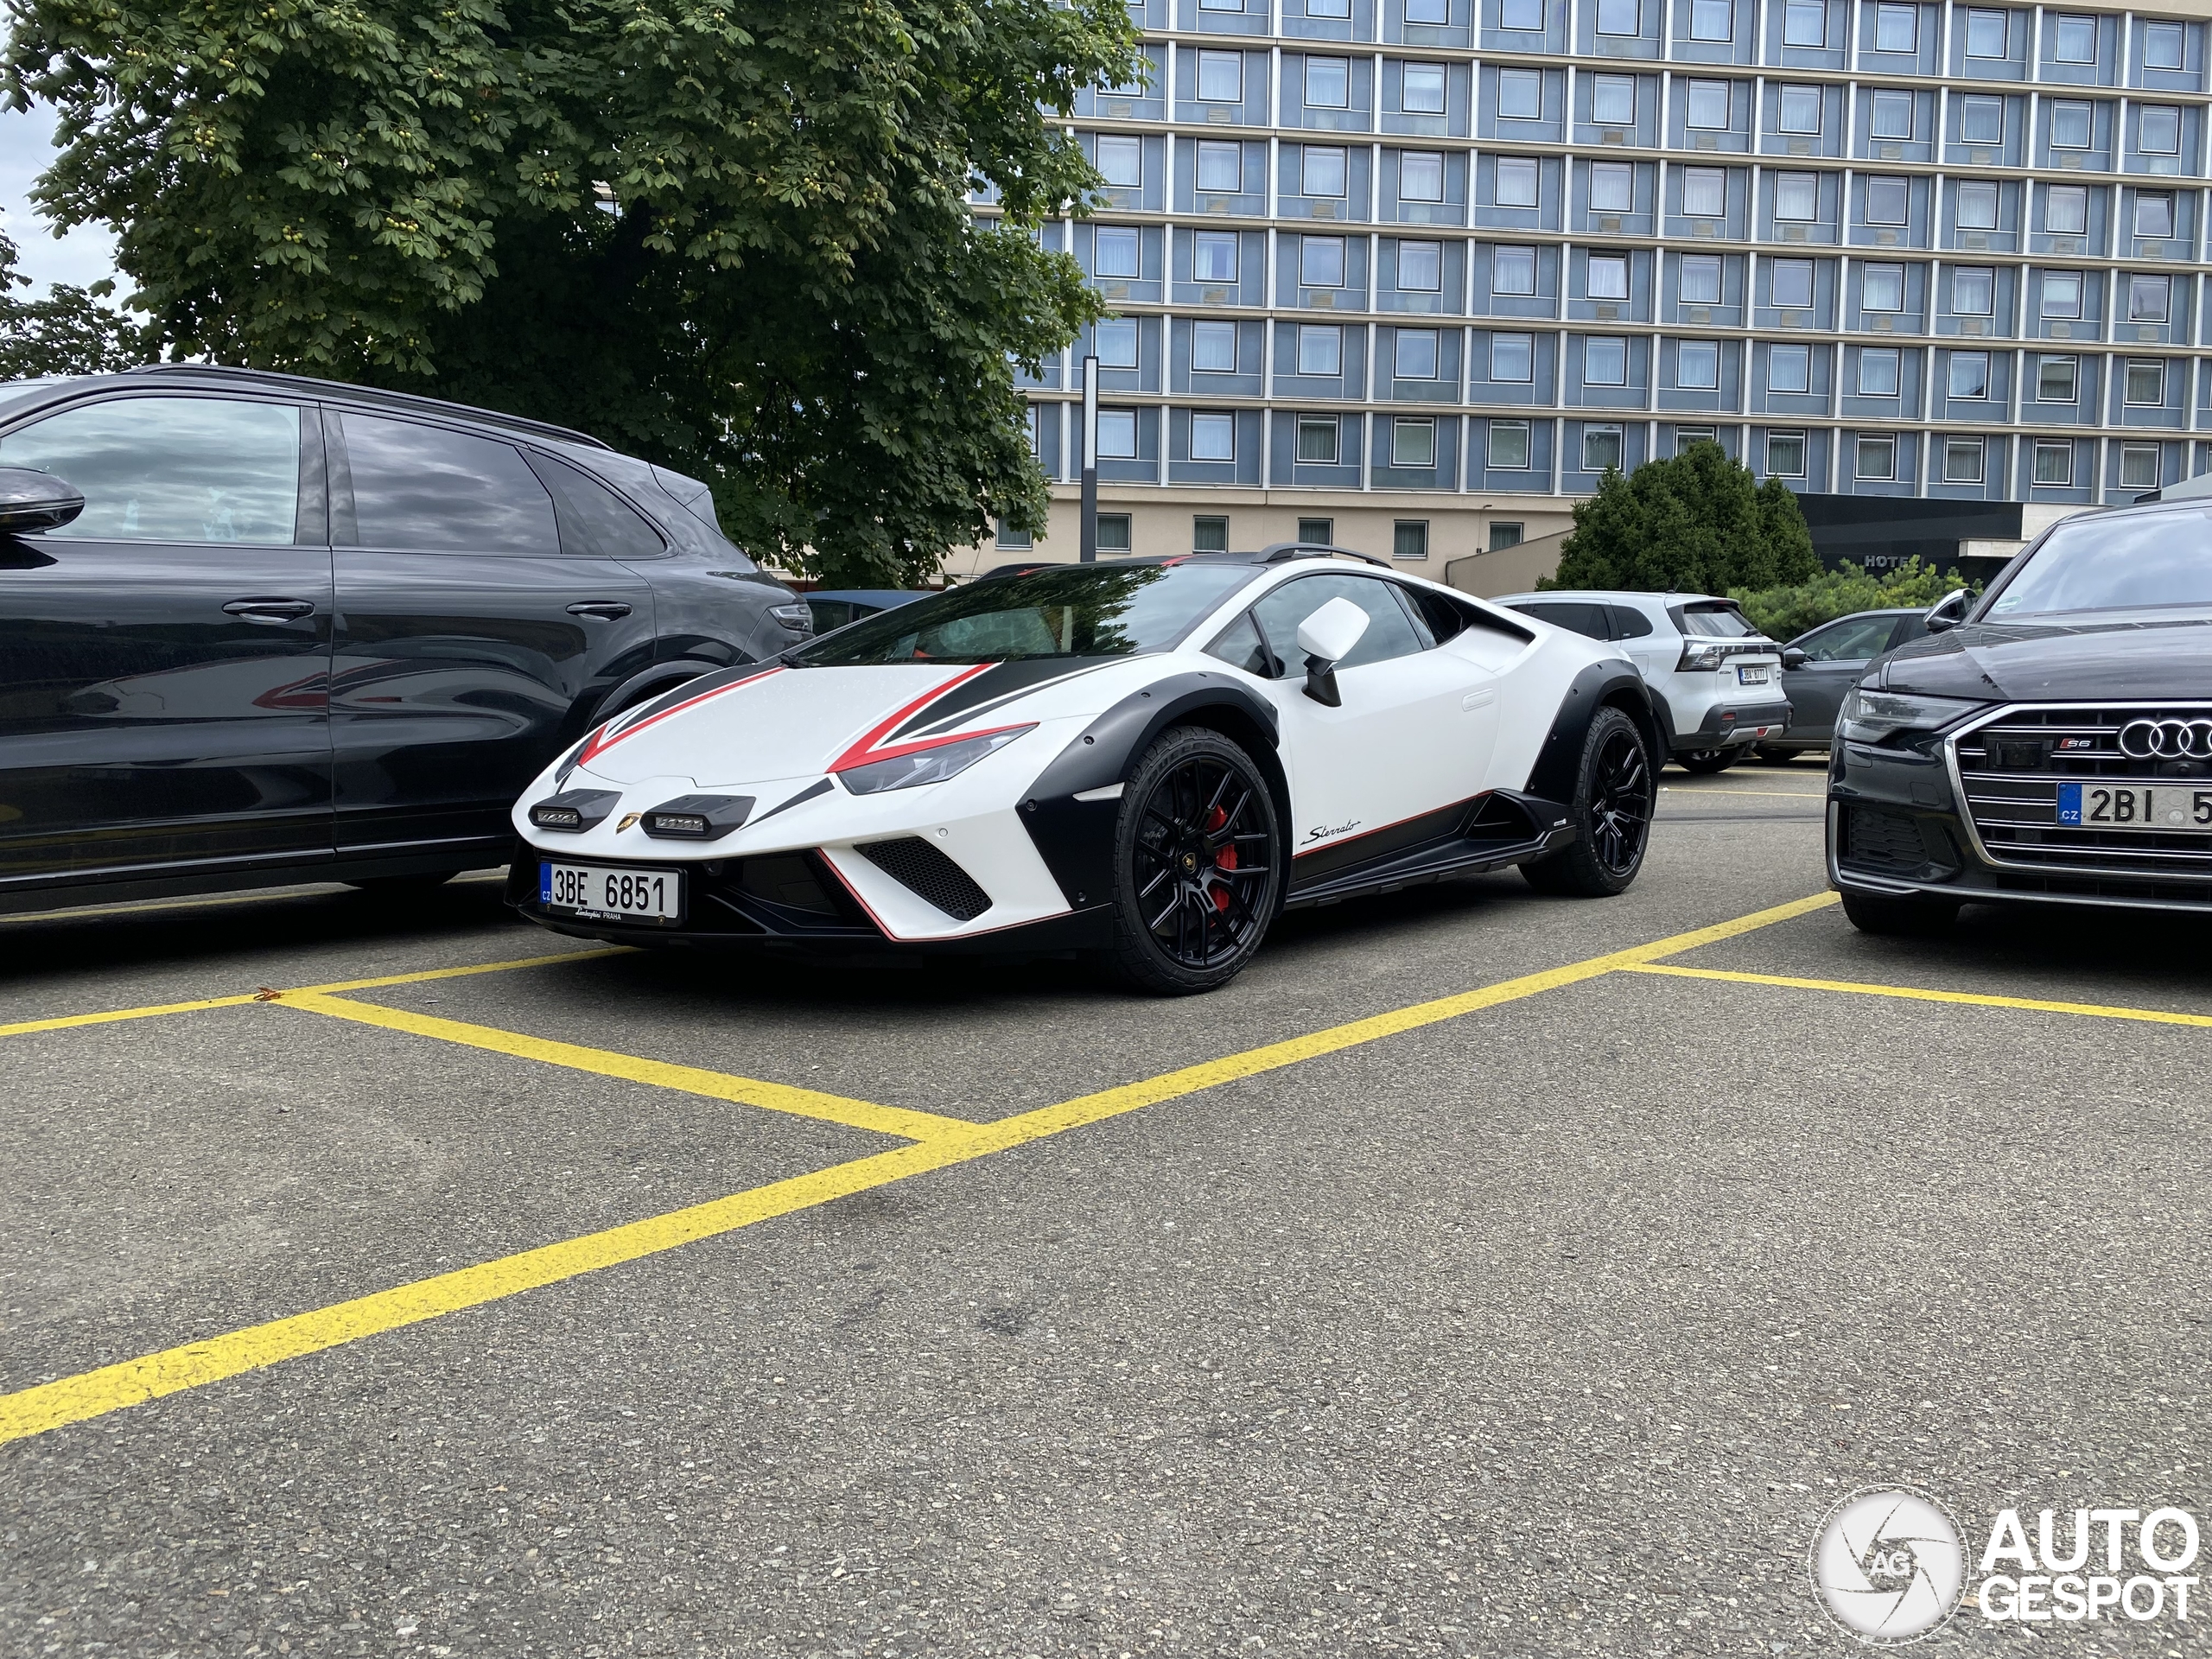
column 1501, row 829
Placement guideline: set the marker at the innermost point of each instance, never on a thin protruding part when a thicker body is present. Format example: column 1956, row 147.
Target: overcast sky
column 84, row 255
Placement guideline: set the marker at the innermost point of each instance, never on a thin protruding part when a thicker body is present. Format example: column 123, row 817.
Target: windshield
column 2124, row 562
column 1073, row 611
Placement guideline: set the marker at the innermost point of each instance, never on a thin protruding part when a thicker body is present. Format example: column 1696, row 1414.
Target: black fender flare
column 1076, row 838
column 1601, row 685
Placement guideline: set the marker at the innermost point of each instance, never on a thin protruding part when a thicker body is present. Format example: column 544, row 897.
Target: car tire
column 404, row 886
column 1198, row 864
column 1889, row 917
column 1767, row 755
column 1707, row 761
column 1611, row 810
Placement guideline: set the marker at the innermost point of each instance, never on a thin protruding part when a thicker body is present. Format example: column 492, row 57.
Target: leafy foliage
column 1785, row 612
column 69, row 332
column 1695, row 523
column 733, row 235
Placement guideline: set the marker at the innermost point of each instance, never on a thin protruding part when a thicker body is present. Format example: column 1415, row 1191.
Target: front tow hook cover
column 696, row 817
column 575, row 809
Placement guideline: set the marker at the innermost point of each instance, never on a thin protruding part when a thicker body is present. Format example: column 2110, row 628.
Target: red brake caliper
column 1223, row 860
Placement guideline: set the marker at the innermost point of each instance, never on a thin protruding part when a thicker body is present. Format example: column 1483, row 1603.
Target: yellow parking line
column 64, row 1022
column 426, row 974
column 691, row 1080
column 1916, row 994
column 112, row 1388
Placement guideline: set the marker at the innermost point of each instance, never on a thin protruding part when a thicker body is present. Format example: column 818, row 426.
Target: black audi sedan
column 2051, row 745
column 257, row 629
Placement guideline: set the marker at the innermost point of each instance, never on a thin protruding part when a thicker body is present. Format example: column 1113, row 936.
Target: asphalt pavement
column 1479, row 1273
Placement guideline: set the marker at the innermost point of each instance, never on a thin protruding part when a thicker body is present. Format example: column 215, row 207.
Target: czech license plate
column 602, row 893
column 1758, row 675
column 2129, row 806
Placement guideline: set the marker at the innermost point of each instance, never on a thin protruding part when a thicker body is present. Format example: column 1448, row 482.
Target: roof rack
column 374, row 396
column 1276, row 552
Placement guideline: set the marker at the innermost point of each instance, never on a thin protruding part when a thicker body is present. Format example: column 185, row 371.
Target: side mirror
column 1793, row 658
column 32, row 500
column 1947, row 612
column 1327, row 637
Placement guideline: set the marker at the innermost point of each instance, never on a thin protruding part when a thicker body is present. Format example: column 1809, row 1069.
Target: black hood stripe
column 1003, row 684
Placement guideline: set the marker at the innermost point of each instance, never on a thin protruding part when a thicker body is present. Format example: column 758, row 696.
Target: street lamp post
column 1089, row 547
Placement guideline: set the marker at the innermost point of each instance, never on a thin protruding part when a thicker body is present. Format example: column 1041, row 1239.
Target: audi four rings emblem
column 2168, row 739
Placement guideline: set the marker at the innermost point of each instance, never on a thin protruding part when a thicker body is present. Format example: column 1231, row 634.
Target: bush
column 1694, row 523
column 1783, row 613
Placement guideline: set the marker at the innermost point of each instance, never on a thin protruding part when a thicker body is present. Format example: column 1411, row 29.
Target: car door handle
column 607, row 610
column 269, row 610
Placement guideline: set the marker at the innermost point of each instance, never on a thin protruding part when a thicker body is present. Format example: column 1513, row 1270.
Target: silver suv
column 1713, row 677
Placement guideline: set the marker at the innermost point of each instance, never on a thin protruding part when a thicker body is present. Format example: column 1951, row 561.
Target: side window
column 1914, row 626
column 1239, row 644
column 1851, row 641
column 171, row 469
column 1389, row 630
column 426, row 489
column 1579, row 617
column 1443, row 617
column 1629, row 623
column 595, row 521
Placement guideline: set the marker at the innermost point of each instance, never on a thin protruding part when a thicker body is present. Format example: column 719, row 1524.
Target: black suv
column 299, row 631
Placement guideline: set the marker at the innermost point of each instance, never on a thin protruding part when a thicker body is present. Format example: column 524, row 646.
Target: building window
column 1974, row 291
column 1422, row 89
column 2159, row 131
column 1209, row 533
column 1963, row 460
column 2162, row 46
column 1213, row 437
column 1113, row 532
column 1116, row 251
column 1120, row 161
column 1705, row 107
column 1221, row 167
column 1686, row 435
column 1605, row 277
column 1213, row 257
column 1713, row 20
column 1328, row 82
column 2138, row 466
column 1982, row 120
column 1705, row 192
column 1877, row 459
column 1701, row 278
column 1617, row 17
column 2058, row 380
column 1213, row 348
column 1504, row 534
column 1792, row 283
column 1413, row 443
column 1320, row 348
column 1322, row 170
column 2149, row 298
column 1420, row 175
column 1036, row 437
column 2066, row 209
column 1785, row 454
column 1697, row 365
column 1409, row 538
column 1113, row 341
column 1976, row 204
column 1117, row 435
column 1612, row 187
column 2073, row 40
column 1886, row 201
column 2062, row 293
column 1883, row 288
column 1789, row 368
column 1507, row 446
column 1605, row 360
column 1421, row 267
column 1797, row 197
column 1318, row 533
column 1009, row 537
column 1800, row 110
column 1877, row 372
column 1892, row 115
column 1221, row 5
column 1330, row 8
column 1513, row 359
column 2154, row 212
column 1985, row 34
column 1612, row 100
column 2069, row 123
column 1516, row 181
column 1969, row 375
column 1896, row 28
column 2147, row 381
column 1521, row 94
column 1221, row 77
column 1513, row 271
column 1805, row 22
column 2054, row 462
column 1413, row 355
column 1523, row 16
column 1601, row 448
column 1321, row 261
column 1316, row 446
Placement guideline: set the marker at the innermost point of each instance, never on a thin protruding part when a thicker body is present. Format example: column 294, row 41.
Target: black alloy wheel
column 1198, row 863
column 1612, row 814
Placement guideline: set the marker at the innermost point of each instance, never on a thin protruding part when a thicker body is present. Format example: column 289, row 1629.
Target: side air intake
column 928, row 873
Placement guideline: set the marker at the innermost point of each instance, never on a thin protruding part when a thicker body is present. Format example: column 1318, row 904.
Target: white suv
column 1714, row 679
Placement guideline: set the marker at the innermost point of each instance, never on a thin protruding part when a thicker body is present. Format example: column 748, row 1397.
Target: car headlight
column 932, row 765
column 797, row 618
column 1869, row 716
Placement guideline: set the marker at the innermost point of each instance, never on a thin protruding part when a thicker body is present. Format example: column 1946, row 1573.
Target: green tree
column 1783, row 613
column 1695, row 523
column 72, row 331
column 733, row 235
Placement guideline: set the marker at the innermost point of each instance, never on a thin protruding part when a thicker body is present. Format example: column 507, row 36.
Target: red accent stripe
column 599, row 743
column 1334, row 842
column 861, row 752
